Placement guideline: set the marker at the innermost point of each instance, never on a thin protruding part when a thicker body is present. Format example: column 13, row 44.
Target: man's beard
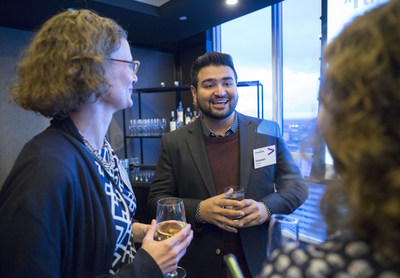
column 210, row 113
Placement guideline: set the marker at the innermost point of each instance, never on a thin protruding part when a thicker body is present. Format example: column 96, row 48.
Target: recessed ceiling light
column 182, row 17
column 231, row 2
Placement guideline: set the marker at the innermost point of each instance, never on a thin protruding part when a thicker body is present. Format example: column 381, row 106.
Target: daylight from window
column 341, row 13
column 248, row 40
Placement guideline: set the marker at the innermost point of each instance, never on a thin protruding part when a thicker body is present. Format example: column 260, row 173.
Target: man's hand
column 220, row 211
column 255, row 213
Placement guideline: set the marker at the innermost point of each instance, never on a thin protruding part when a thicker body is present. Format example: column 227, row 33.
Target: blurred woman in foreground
column 360, row 121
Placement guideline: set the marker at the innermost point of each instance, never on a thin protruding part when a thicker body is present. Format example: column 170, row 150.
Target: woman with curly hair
column 67, row 206
column 360, row 121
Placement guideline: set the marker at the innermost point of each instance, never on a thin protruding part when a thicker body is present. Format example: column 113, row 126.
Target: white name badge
column 264, row 156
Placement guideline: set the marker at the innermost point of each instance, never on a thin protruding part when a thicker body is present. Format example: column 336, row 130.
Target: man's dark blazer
column 183, row 171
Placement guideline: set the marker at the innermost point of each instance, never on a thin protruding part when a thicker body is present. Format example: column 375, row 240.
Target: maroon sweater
column 224, row 158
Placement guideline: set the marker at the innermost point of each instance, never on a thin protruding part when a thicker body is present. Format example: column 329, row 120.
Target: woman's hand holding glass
column 167, row 253
column 171, row 218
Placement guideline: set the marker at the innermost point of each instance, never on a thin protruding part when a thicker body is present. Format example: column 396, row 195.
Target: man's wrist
column 197, row 215
column 268, row 210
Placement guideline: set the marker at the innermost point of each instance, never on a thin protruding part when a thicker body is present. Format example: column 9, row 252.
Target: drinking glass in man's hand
column 234, row 193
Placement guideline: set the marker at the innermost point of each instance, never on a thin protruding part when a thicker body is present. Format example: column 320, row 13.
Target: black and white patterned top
column 334, row 258
column 123, row 206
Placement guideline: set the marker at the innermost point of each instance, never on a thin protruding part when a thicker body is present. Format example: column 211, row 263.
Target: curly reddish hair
column 360, row 96
column 64, row 65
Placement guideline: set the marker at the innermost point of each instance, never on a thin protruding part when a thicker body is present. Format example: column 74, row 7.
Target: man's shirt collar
column 232, row 129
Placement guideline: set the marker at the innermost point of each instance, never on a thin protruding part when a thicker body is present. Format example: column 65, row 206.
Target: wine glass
column 171, row 219
column 132, row 127
column 163, row 125
column 283, row 231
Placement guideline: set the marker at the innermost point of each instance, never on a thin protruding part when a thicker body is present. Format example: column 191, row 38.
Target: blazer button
column 218, row 251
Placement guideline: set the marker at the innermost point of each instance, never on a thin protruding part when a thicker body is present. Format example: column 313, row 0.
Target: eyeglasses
column 134, row 65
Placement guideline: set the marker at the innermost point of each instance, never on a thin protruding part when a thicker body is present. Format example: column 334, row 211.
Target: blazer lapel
column 247, row 129
column 199, row 154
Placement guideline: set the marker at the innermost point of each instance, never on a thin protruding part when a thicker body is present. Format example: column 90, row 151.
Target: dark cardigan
column 54, row 217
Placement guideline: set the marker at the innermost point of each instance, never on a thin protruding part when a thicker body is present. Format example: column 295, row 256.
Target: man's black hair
column 210, row 59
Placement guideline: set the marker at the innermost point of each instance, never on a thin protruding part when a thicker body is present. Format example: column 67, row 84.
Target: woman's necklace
column 106, row 164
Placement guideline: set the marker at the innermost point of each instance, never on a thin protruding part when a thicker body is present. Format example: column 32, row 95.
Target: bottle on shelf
column 188, row 116
column 194, row 117
column 179, row 113
column 172, row 122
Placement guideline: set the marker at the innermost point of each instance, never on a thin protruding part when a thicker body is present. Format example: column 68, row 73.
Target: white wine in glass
column 171, row 219
column 167, row 229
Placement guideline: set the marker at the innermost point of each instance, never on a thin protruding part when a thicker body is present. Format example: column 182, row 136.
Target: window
column 301, row 72
column 301, row 53
column 248, row 40
column 341, row 13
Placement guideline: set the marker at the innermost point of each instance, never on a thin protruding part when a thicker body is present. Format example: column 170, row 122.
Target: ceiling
column 150, row 23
